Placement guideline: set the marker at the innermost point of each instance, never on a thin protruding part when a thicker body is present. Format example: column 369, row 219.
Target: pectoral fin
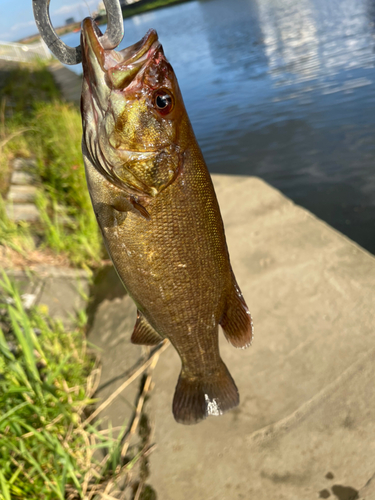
column 236, row 320
column 123, row 204
column 143, row 333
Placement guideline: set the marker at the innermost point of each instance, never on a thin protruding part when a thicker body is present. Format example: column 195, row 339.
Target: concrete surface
column 69, row 83
column 304, row 428
column 21, row 196
column 307, row 383
column 112, row 318
column 368, row 491
column 63, row 291
column 22, row 212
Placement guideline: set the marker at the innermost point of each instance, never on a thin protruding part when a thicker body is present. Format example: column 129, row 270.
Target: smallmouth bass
column 157, row 210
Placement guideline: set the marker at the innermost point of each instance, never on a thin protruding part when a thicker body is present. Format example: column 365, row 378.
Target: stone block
column 22, row 194
column 22, row 212
column 22, row 178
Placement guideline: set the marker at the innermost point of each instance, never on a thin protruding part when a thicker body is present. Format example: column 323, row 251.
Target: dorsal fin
column 143, row 333
column 236, row 320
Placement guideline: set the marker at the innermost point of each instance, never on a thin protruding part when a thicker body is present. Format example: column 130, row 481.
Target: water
column 283, row 90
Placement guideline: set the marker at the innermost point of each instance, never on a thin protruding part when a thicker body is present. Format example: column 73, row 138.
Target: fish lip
column 108, row 59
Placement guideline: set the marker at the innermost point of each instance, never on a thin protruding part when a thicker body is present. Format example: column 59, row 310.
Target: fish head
column 135, row 126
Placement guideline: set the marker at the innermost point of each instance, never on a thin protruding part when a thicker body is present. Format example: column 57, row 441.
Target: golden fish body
column 158, row 213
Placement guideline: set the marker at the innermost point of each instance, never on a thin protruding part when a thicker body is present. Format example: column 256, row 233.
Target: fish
column 157, row 210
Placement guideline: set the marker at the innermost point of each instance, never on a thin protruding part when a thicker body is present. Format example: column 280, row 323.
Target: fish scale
column 168, row 245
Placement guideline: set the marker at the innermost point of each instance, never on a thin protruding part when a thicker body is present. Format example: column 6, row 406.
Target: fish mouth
column 120, row 66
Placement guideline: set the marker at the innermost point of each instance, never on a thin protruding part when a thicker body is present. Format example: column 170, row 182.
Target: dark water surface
column 284, row 90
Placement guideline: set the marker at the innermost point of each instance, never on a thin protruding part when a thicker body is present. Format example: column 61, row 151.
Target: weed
column 43, row 391
column 34, row 123
column 48, row 445
column 15, row 236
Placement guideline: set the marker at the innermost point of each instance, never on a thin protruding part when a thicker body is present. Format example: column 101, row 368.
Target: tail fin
column 236, row 320
column 195, row 398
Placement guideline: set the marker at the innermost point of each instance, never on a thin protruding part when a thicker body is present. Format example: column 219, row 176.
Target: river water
column 280, row 89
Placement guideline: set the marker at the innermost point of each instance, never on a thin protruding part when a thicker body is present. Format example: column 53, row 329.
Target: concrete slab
column 111, row 335
column 304, row 428
column 306, row 384
column 368, row 491
column 69, row 83
column 22, row 178
column 112, row 316
column 26, row 164
column 21, row 194
column 22, row 212
column 63, row 290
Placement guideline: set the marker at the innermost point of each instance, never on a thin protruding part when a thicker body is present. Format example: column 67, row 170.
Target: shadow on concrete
column 344, row 492
column 106, row 286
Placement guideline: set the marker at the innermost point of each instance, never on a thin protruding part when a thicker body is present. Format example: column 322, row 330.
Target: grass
column 48, row 446
column 147, row 5
column 139, row 7
column 64, row 203
column 14, row 236
column 43, row 391
column 51, row 444
column 35, row 123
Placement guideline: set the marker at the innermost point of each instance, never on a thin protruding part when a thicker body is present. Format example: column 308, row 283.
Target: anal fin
column 143, row 333
column 236, row 320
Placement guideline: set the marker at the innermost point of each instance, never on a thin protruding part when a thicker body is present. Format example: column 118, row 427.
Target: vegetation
column 139, row 7
column 49, row 447
column 146, row 5
column 51, row 444
column 36, row 123
column 47, row 380
column 128, row 11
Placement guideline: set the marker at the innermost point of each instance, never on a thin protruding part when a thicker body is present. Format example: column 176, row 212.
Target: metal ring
column 69, row 55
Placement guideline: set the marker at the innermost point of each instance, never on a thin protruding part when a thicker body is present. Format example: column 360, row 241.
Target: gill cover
column 129, row 109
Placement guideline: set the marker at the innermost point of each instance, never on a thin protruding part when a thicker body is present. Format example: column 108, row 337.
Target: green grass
column 142, row 6
column 68, row 219
column 45, row 387
column 145, row 6
column 35, row 123
column 15, row 236
column 27, row 85
column 39, row 365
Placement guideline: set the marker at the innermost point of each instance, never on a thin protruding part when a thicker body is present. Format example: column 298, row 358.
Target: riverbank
column 304, row 425
column 127, row 11
column 306, row 384
column 45, row 130
column 50, row 448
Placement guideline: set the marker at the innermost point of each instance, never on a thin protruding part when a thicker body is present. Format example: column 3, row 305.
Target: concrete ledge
column 306, row 384
column 69, row 82
column 304, row 428
column 63, row 290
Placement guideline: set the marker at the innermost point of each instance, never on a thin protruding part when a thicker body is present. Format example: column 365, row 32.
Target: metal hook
column 69, row 55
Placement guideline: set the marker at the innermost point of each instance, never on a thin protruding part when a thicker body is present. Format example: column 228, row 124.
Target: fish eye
column 163, row 102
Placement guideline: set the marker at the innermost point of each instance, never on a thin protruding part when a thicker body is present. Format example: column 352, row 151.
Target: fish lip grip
column 73, row 55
